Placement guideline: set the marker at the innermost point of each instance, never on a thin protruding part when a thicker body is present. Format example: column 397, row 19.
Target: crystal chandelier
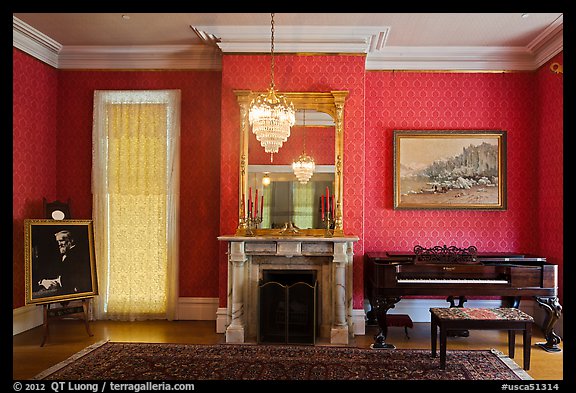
column 271, row 115
column 304, row 166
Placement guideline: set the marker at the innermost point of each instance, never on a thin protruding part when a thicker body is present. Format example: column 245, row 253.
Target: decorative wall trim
column 169, row 57
column 29, row 40
column 550, row 48
column 221, row 320
column 453, row 58
column 359, row 322
column 369, row 40
column 189, row 308
column 26, row 318
column 294, row 39
column 197, row 308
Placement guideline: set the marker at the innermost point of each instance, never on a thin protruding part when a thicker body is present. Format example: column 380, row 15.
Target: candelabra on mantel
column 328, row 213
column 249, row 218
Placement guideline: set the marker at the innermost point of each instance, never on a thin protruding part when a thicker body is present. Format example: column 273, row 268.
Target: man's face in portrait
column 64, row 242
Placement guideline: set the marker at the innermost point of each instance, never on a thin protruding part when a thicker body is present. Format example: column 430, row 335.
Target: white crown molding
column 369, row 40
column 293, row 39
column 29, row 40
column 549, row 43
column 451, row 58
column 141, row 57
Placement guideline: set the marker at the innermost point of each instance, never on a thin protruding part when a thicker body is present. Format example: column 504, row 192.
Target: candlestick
column 329, row 220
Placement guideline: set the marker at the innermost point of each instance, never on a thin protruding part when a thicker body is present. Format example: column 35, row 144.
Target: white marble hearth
column 330, row 257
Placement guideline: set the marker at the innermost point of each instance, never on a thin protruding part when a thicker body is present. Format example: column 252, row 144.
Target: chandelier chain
column 304, row 125
column 271, row 115
column 272, row 52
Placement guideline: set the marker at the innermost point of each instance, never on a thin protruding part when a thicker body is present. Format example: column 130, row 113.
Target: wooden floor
column 69, row 336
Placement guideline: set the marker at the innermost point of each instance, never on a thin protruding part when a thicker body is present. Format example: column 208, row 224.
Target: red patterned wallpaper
column 34, row 135
column 503, row 101
column 200, row 141
column 294, row 73
column 378, row 103
column 424, row 101
column 550, row 174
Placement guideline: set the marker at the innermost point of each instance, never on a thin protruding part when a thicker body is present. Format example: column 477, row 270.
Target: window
column 135, row 176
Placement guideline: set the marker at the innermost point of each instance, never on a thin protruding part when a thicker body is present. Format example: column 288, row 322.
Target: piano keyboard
column 449, row 281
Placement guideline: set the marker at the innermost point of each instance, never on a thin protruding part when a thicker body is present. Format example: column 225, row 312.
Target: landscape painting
column 450, row 169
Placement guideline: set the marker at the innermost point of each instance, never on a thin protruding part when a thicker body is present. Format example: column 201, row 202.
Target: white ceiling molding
column 28, row 39
column 451, row 58
column 549, row 43
column 369, row 40
column 181, row 57
column 299, row 39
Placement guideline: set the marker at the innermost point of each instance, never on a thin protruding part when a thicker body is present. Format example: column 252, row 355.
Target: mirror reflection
column 286, row 200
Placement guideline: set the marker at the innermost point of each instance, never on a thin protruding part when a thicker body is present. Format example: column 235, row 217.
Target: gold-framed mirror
column 322, row 114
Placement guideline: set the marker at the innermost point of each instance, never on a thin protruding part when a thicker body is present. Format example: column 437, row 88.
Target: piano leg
column 371, row 316
column 553, row 310
column 381, row 307
column 511, row 301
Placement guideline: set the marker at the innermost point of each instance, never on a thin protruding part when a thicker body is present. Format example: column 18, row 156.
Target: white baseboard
column 359, row 322
column 221, row 320
column 26, row 318
column 197, row 308
column 206, row 309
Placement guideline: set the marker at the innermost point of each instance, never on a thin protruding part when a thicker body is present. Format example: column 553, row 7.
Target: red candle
column 261, row 206
column 256, row 204
column 250, row 202
column 322, row 207
column 328, row 201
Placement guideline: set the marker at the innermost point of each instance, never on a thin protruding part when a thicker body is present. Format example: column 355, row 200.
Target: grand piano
column 456, row 273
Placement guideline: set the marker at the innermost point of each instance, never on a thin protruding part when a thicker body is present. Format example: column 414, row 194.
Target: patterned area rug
column 148, row 361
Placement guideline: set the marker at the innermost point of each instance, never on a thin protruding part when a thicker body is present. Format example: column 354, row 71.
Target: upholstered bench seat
column 456, row 318
column 401, row 320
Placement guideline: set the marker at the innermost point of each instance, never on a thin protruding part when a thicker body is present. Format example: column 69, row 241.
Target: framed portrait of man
column 60, row 260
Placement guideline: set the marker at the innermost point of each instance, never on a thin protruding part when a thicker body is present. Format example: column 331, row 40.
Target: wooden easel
column 66, row 311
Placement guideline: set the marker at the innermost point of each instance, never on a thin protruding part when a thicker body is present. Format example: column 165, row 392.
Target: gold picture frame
column 60, row 260
column 450, row 169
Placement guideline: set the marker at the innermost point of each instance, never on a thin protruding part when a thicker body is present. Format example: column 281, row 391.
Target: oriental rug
column 151, row 361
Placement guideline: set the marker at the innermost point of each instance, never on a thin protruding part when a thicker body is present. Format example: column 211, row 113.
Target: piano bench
column 401, row 320
column 457, row 318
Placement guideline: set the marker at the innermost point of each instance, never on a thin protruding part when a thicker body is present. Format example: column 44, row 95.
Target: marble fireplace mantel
column 330, row 257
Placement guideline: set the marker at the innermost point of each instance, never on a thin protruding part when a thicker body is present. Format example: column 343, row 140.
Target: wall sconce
column 556, row 68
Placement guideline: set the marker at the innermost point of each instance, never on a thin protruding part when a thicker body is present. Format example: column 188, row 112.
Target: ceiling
column 390, row 41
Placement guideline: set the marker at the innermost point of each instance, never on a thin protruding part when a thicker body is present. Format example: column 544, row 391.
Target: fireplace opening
column 288, row 307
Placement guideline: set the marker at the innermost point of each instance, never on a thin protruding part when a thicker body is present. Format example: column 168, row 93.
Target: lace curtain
column 135, row 208
column 303, row 201
column 266, row 211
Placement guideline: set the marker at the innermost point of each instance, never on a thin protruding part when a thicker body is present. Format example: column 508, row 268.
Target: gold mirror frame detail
column 331, row 103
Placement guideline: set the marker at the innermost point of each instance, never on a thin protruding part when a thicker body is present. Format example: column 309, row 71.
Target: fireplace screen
column 288, row 307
